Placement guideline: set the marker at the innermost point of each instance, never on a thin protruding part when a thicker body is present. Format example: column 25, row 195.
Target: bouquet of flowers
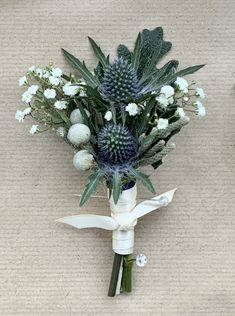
column 117, row 118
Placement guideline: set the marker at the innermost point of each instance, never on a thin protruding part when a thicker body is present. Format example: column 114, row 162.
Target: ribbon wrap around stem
column 123, row 218
column 123, row 235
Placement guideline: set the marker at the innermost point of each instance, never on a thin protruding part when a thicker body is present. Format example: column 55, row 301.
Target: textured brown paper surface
column 47, row 269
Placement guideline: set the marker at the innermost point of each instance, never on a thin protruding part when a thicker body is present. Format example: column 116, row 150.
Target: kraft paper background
column 47, row 269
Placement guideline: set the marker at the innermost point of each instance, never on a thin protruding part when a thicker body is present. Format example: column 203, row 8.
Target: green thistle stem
column 115, row 273
column 127, row 274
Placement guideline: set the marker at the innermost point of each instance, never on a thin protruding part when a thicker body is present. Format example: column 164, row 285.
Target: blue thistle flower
column 120, row 82
column 116, row 145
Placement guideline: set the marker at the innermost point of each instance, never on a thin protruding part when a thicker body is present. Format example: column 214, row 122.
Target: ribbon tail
column 155, row 203
column 89, row 221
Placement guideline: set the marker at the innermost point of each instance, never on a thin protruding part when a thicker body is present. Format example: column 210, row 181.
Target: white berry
column 83, row 160
column 76, row 116
column 79, row 134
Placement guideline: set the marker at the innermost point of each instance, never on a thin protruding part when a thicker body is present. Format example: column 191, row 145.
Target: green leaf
column 137, row 52
column 64, row 117
column 157, row 84
column 154, row 149
column 148, row 141
column 150, row 67
column 157, row 164
column 81, row 68
column 83, row 112
column 144, row 179
column 157, row 157
column 98, row 52
column 123, row 51
column 91, row 187
column 143, row 118
column 123, row 115
column 116, row 187
column 150, row 44
column 162, row 72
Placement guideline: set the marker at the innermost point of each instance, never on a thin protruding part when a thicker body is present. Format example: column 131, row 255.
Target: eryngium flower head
column 116, row 145
column 120, row 82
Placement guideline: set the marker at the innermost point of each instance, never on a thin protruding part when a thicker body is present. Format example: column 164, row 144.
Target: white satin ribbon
column 123, row 218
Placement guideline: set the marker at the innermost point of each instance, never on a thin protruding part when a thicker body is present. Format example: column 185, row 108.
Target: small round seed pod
column 83, row 160
column 79, row 134
column 76, row 116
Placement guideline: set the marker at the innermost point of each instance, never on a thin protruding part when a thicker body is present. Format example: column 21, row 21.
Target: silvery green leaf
column 98, row 52
column 91, row 186
column 144, row 179
column 81, row 68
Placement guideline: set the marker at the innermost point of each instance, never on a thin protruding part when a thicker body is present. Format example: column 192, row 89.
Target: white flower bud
column 76, row 116
column 83, row 160
column 78, row 134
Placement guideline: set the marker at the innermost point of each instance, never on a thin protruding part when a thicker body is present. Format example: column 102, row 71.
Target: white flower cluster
column 28, row 94
column 108, row 116
column 20, row 115
column 166, row 96
column 52, row 91
column 132, row 109
column 180, row 94
column 33, row 129
column 200, row 109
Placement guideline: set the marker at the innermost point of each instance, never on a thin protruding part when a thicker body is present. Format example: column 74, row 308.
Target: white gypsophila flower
column 50, row 93
column 200, row 93
column 27, row 96
column 162, row 123
column 182, row 84
column 33, row 129
column 22, row 81
column 83, row 160
column 141, row 260
column 27, row 111
column 32, row 69
column 108, row 116
column 60, row 105
column 171, row 100
column 70, row 89
column 79, row 134
column 19, row 115
column 185, row 99
column 39, row 72
column 82, row 93
column 56, row 72
column 33, row 89
column 82, row 82
column 180, row 112
column 61, row 131
column 132, row 109
column 200, row 109
column 163, row 101
column 168, row 91
column 54, row 80
column 46, row 75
